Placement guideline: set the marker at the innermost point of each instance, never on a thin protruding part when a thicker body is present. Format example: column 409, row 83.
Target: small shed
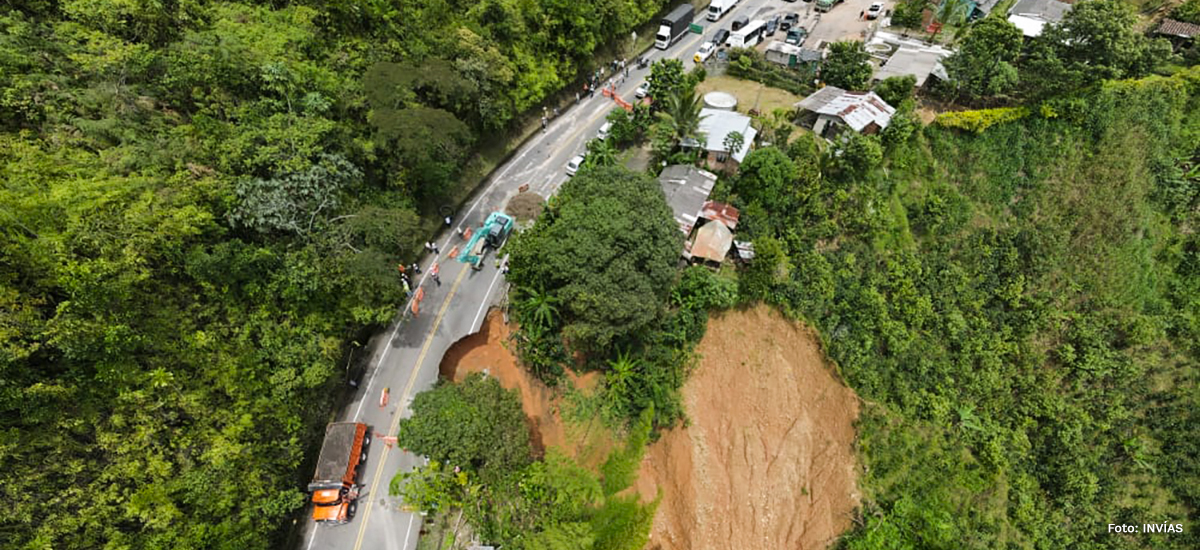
column 791, row 56
column 1179, row 33
column 711, row 244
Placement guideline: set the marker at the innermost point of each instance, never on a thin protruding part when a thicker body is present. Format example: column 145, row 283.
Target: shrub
column 980, row 120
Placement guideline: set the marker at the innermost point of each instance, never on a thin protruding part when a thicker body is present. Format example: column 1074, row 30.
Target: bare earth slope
column 768, row 459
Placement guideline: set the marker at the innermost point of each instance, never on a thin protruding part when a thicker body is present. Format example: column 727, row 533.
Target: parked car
column 706, row 50
column 720, row 38
column 790, row 20
column 574, row 164
column 874, row 11
column 772, row 25
column 642, row 90
column 604, row 130
column 739, row 22
column 796, row 36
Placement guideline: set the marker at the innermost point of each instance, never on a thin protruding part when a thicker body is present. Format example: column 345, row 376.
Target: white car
column 705, row 52
column 574, row 164
column 874, row 11
column 604, row 130
column 642, row 90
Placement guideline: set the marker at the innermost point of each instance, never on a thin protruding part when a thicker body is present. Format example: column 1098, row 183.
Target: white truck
column 719, row 8
column 674, row 26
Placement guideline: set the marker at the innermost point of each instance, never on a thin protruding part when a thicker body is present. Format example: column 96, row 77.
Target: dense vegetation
column 1019, row 308
column 201, row 206
column 482, row 464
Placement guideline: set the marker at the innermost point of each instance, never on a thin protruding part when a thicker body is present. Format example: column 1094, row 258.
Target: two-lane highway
column 405, row 358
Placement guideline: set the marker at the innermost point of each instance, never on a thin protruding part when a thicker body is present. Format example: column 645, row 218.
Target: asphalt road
column 405, row 358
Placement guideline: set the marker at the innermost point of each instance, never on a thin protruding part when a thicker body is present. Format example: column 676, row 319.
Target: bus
column 748, row 36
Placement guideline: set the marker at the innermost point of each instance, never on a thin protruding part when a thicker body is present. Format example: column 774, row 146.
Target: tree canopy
column 847, row 66
column 203, row 204
column 606, row 250
column 475, row 424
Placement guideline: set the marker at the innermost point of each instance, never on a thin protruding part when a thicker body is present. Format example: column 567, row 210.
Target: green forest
column 201, row 210
column 202, row 205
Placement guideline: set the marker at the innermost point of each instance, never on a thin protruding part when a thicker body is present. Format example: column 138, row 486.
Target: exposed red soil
column 488, row 350
column 768, row 459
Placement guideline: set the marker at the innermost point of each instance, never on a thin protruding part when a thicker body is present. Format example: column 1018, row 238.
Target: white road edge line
column 486, row 298
column 366, row 389
column 313, row 539
column 411, row 517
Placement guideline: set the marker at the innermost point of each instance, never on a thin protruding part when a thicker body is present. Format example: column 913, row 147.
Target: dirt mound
column 767, row 461
column 488, row 350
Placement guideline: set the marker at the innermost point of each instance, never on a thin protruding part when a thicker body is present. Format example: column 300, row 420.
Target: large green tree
column 1096, row 40
column 474, row 424
column 984, row 64
column 847, row 66
column 606, row 249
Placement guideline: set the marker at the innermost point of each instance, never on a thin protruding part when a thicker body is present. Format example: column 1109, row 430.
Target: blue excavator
column 490, row 236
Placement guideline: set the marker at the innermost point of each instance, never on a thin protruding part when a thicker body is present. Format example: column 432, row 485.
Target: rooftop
column 857, row 109
column 720, row 212
column 712, row 242
column 1171, row 27
column 687, row 189
column 916, row 62
column 1050, row 10
column 715, row 124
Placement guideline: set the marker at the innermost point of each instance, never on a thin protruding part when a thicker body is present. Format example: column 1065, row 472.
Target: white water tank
column 720, row 100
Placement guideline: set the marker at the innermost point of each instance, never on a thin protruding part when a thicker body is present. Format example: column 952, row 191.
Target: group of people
column 415, row 268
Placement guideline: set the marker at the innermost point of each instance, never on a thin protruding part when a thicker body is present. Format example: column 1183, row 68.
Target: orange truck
column 334, row 486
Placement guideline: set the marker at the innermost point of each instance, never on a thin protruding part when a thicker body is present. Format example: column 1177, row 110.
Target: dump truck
column 489, row 236
column 334, row 486
column 674, row 26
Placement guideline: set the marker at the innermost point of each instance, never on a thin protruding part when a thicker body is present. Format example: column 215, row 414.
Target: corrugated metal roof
column 1050, row 11
column 820, row 98
column 715, row 124
column 918, row 63
column 712, row 242
column 1171, row 27
column 686, row 188
column 721, row 212
column 856, row 109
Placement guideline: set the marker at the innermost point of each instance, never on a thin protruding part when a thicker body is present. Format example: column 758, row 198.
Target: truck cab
column 718, row 8
column 334, row 486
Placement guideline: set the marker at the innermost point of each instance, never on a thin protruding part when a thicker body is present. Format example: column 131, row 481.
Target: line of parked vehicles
column 744, row 33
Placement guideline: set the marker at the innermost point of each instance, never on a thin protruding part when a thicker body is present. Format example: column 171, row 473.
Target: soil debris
column 768, row 458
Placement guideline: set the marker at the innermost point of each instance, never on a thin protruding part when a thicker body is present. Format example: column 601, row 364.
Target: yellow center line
column 412, row 380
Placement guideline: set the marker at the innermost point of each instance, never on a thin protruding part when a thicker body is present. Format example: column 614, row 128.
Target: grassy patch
column 750, row 94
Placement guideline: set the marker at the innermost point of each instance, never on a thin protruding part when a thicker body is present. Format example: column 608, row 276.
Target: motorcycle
column 643, row 62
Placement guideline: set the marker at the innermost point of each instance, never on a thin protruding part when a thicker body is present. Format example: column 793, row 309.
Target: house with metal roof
column 715, row 125
column 1179, row 33
column 687, row 189
column 830, row 110
column 1031, row 16
column 712, row 241
column 919, row 62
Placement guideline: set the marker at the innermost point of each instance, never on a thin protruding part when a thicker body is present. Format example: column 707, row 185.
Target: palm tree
column 600, row 153
column 682, row 114
column 622, row 371
column 541, row 308
column 952, row 12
